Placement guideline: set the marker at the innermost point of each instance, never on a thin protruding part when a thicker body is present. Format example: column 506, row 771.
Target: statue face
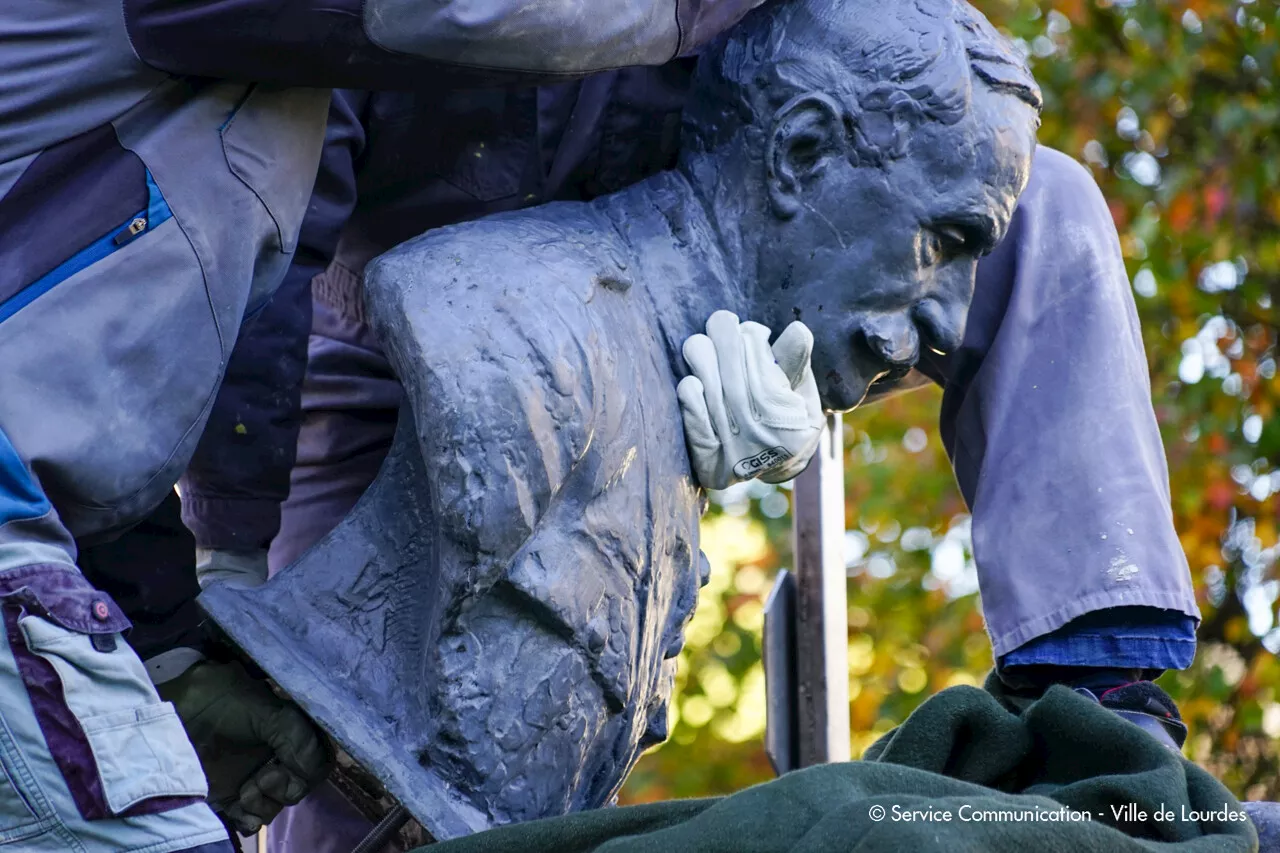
column 880, row 261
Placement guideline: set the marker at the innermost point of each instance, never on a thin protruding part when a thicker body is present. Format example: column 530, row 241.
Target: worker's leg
column 1047, row 415
column 81, row 767
column 350, row 401
column 92, row 759
column 120, row 299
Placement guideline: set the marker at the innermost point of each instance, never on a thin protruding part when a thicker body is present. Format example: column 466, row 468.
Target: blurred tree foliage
column 1173, row 106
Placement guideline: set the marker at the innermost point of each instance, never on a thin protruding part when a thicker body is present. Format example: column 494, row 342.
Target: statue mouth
column 889, row 379
column 843, row 392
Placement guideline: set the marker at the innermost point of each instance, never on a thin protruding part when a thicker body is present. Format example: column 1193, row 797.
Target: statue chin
column 840, row 392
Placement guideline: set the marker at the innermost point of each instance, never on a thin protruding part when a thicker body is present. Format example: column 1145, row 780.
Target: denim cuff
column 1115, row 638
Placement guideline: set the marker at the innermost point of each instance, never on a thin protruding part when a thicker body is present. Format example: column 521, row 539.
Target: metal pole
column 821, row 625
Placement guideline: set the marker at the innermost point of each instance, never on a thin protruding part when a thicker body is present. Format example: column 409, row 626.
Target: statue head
column 867, row 154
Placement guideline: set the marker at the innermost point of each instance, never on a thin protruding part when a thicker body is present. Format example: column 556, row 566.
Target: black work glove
column 260, row 752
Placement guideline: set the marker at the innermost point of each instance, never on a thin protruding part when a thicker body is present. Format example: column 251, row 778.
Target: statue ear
column 806, row 131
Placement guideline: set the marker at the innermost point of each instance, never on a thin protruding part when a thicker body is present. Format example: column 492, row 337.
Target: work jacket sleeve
column 239, row 476
column 405, row 44
column 1047, row 417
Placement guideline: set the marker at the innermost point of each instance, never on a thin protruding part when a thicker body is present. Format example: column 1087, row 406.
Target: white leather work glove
column 750, row 410
column 239, row 568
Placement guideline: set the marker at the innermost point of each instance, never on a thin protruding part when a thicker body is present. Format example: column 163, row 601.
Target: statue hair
column 891, row 65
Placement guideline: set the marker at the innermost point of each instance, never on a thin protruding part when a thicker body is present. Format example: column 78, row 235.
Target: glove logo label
column 754, row 466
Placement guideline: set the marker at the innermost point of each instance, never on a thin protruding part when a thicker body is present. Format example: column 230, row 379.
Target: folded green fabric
column 970, row 770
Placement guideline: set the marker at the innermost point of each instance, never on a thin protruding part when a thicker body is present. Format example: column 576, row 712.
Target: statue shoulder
column 493, row 263
column 490, row 327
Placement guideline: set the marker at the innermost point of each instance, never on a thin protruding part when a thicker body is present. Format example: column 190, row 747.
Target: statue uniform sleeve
column 400, row 44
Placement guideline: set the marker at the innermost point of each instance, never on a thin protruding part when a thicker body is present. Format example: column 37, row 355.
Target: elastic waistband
column 341, row 289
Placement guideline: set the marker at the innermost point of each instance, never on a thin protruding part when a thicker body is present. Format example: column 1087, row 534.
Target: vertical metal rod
column 821, row 631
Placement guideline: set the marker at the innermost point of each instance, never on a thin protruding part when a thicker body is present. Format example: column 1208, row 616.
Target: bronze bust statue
column 491, row 632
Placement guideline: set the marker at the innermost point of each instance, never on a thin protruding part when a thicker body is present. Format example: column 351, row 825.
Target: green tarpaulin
column 966, row 772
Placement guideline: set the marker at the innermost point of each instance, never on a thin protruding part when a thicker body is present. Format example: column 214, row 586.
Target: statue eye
column 932, row 248
column 954, row 238
column 943, row 242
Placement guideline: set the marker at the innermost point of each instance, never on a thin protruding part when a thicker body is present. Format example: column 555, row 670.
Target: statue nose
column 941, row 327
column 892, row 338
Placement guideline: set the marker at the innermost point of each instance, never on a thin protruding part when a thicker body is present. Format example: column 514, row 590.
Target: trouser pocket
column 121, row 751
